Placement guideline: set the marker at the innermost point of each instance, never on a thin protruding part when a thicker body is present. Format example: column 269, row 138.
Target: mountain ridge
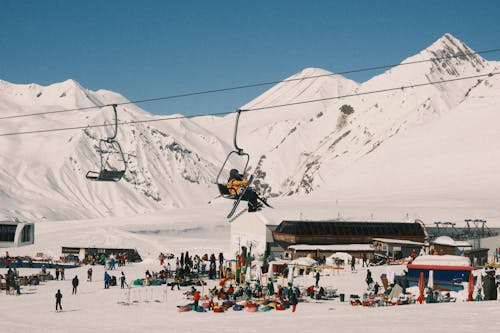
column 298, row 149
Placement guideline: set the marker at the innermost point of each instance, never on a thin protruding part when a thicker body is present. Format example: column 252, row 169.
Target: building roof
column 350, row 228
column 444, row 260
column 448, row 241
column 397, row 241
column 337, row 247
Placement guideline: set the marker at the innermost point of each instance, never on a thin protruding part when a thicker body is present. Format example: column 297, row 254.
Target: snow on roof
column 336, row 247
column 444, row 240
column 463, row 244
column 444, row 260
column 397, row 241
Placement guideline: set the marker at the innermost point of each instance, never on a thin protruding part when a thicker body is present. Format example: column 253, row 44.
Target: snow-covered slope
column 307, row 143
column 43, row 174
column 426, row 145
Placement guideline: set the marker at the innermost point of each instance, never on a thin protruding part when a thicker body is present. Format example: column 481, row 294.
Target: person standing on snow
column 368, row 279
column 122, row 281
column 490, row 285
column 58, row 299
column 107, row 278
column 74, row 282
column 293, row 301
column 317, row 278
column 196, row 297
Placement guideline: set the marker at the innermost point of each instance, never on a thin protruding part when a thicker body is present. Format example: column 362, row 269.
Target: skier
column 317, row 278
column 235, row 184
column 58, row 299
column 74, row 282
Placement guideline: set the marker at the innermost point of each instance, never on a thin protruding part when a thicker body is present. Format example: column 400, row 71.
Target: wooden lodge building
column 345, row 232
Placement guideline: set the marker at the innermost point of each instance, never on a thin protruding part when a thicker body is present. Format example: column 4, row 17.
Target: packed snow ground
column 95, row 309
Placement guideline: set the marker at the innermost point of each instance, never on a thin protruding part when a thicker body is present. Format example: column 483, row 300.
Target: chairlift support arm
column 238, row 149
column 111, row 138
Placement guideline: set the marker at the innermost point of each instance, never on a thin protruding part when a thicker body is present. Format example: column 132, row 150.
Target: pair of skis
column 240, row 196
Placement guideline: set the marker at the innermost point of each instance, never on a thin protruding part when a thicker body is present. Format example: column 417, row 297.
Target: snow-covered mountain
column 43, row 174
column 305, row 147
column 430, row 143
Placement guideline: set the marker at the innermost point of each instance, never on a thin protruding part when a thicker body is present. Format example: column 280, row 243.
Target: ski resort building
column 255, row 232
column 345, row 232
column 82, row 252
column 267, row 230
column 14, row 233
column 320, row 251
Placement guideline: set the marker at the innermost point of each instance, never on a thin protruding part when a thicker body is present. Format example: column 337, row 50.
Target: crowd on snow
column 190, row 271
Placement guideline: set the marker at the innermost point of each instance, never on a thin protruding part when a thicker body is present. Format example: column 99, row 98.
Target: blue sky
column 147, row 49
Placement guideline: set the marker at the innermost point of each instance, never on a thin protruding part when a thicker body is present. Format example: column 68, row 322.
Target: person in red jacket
column 196, row 297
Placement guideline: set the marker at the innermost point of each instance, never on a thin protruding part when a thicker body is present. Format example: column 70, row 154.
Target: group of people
column 60, row 273
column 110, row 261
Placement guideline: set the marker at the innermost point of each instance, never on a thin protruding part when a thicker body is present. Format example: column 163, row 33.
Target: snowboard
column 242, row 193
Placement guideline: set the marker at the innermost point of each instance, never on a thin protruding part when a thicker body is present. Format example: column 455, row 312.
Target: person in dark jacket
column 122, row 281
column 490, row 285
column 369, row 279
column 293, row 301
column 74, row 282
column 58, row 299
column 376, row 288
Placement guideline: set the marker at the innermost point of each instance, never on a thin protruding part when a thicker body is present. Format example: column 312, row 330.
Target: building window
column 26, row 234
column 7, row 232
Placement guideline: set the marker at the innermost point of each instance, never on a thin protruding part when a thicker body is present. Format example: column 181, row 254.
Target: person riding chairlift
column 236, row 183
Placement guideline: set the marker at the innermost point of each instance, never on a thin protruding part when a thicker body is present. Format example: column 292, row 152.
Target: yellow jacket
column 234, row 186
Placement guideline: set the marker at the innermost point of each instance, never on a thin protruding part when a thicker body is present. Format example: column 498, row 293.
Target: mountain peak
column 452, row 56
column 449, row 44
column 312, row 71
column 70, row 83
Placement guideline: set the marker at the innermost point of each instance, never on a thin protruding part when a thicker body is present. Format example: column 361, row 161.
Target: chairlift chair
column 108, row 147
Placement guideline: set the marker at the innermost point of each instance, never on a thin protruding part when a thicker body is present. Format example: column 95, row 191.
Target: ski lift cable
column 253, row 85
column 254, row 109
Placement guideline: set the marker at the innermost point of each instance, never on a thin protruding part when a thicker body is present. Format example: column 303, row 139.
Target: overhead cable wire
column 253, row 85
column 257, row 108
